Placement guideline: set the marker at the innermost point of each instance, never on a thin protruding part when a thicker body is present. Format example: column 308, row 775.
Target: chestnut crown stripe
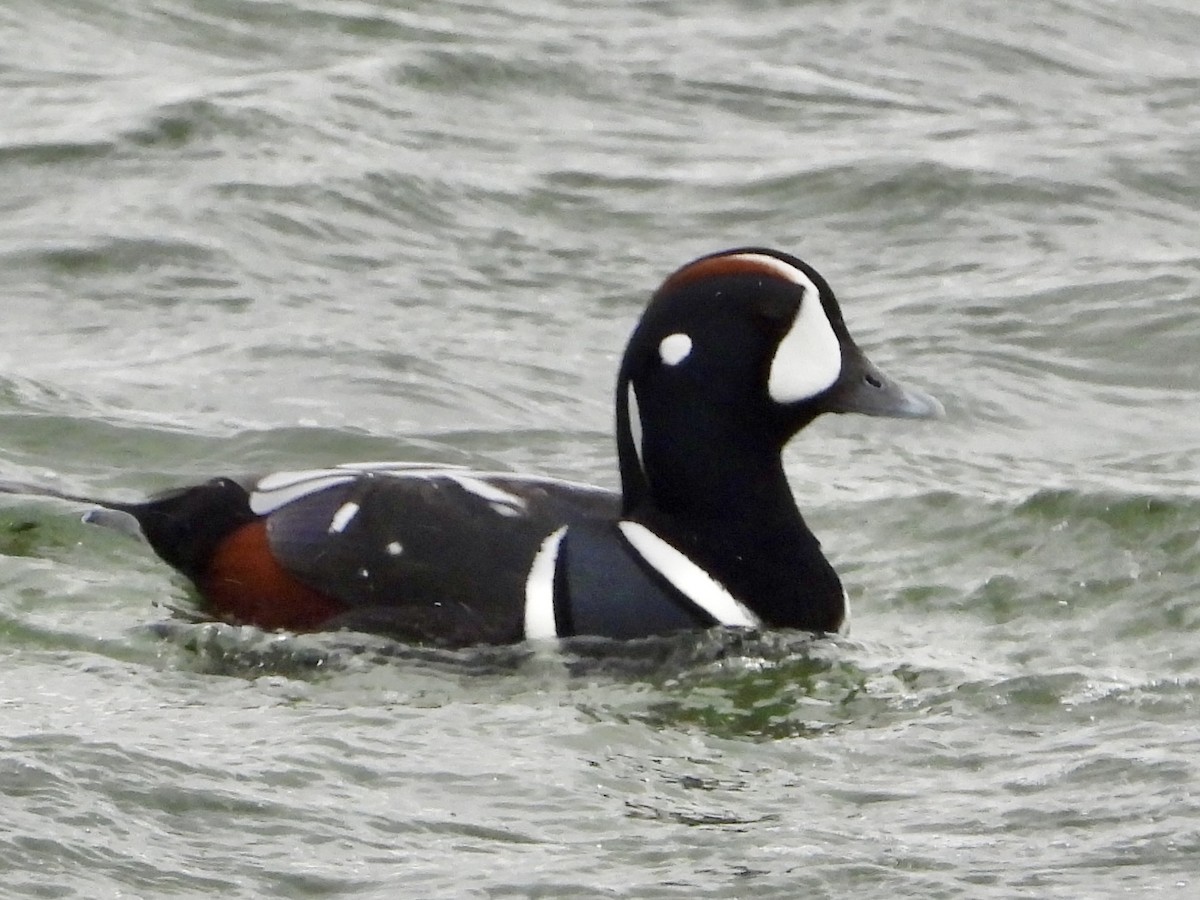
column 734, row 264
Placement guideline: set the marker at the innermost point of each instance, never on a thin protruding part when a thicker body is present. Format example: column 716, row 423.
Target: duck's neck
column 709, row 488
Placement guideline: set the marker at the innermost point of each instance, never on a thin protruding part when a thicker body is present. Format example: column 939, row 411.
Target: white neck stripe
column 688, row 578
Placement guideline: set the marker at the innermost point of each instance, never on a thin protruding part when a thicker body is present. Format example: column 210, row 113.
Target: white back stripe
column 688, row 578
column 474, row 485
column 280, row 481
column 276, row 491
column 540, row 623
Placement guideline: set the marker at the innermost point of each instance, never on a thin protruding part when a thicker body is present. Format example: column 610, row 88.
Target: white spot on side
column 117, row 520
column 691, row 580
column 343, row 517
column 539, row 590
column 674, row 348
column 364, row 573
column 809, row 358
column 844, row 628
column 394, row 549
column 473, row 484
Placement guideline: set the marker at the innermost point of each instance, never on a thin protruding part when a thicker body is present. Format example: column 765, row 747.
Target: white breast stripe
column 691, row 580
column 844, row 628
column 809, row 358
column 540, row 623
column 281, row 492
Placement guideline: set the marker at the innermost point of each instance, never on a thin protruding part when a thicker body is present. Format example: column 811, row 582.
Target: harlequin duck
column 736, row 352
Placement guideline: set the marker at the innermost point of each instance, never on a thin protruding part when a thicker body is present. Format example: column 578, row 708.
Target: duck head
column 737, row 352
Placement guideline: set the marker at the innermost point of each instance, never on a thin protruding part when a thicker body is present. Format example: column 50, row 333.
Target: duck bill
column 863, row 389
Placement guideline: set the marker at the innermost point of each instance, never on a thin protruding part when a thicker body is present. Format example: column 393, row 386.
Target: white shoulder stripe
column 540, row 623
column 281, row 488
column 688, row 578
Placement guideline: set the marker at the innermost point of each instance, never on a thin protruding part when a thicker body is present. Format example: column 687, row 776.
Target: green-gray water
column 240, row 235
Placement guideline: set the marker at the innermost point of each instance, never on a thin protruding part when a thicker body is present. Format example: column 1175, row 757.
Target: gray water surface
column 242, row 235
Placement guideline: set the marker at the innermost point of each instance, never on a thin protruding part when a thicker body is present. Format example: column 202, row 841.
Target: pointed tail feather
column 106, row 513
column 183, row 526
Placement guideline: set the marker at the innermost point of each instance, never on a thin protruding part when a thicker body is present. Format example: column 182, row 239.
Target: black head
column 741, row 349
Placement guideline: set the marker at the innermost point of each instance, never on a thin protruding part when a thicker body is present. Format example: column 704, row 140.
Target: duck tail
column 25, row 489
column 183, row 526
column 108, row 513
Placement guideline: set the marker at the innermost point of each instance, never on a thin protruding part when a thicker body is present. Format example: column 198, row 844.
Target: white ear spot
column 675, row 348
column 809, row 358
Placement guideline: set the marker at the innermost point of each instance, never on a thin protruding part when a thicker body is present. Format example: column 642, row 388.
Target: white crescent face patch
column 809, row 358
